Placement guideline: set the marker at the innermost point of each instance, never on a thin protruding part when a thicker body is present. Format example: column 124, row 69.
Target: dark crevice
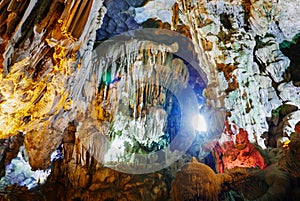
column 291, row 50
column 262, row 66
column 38, row 13
column 247, row 7
column 225, row 20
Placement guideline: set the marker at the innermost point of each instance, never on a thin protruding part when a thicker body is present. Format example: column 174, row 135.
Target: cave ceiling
column 116, row 87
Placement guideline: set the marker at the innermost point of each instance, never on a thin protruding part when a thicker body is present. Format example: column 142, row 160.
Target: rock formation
column 102, row 95
column 195, row 181
column 243, row 77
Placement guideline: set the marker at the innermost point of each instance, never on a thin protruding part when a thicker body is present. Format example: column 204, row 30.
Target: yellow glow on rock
column 26, row 102
column 286, row 143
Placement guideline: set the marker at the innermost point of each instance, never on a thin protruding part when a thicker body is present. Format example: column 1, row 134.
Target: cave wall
column 238, row 45
column 41, row 45
column 48, row 64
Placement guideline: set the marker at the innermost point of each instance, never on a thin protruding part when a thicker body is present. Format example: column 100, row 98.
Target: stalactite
column 225, row 50
column 39, row 64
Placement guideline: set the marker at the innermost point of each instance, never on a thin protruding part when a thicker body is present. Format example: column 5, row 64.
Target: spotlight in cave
column 199, row 123
column 148, row 90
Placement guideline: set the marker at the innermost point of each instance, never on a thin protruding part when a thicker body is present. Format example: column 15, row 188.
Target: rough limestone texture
column 71, row 181
column 56, row 93
column 41, row 52
column 8, row 150
column 238, row 46
column 235, row 150
column 196, row 181
column 80, row 176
